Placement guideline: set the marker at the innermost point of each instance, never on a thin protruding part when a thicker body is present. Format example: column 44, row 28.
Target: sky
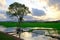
column 47, row 10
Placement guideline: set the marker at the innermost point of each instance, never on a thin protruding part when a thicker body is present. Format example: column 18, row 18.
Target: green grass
column 4, row 36
column 32, row 24
column 38, row 24
column 8, row 24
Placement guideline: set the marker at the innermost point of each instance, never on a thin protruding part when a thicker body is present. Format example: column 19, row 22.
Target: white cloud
column 2, row 4
column 52, row 12
column 50, row 7
column 2, row 16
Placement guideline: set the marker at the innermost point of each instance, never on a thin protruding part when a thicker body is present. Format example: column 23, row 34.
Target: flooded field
column 34, row 35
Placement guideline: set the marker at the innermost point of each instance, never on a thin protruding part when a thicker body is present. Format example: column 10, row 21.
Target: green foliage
column 4, row 36
column 17, row 9
column 8, row 24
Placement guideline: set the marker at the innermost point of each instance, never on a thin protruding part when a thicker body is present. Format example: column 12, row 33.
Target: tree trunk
column 19, row 30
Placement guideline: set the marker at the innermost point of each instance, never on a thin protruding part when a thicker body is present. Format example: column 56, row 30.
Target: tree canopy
column 17, row 9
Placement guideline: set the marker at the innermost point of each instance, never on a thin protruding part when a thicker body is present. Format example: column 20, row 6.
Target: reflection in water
column 32, row 36
column 27, row 35
column 35, row 35
column 38, row 32
column 2, row 28
column 10, row 29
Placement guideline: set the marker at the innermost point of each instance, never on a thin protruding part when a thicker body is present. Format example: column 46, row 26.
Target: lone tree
column 18, row 10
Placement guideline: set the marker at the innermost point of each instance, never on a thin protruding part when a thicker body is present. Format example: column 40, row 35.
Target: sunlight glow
column 51, row 11
column 2, row 4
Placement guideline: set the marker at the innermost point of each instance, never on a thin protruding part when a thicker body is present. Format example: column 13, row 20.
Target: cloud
column 37, row 12
column 42, row 9
column 2, row 4
column 53, row 10
column 29, row 18
column 2, row 8
column 2, row 16
column 54, row 2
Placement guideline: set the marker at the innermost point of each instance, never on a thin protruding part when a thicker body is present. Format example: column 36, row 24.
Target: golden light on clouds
column 43, row 2
column 51, row 10
column 2, row 4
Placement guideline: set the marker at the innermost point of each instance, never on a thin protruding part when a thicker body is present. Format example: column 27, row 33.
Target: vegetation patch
column 32, row 24
column 4, row 36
